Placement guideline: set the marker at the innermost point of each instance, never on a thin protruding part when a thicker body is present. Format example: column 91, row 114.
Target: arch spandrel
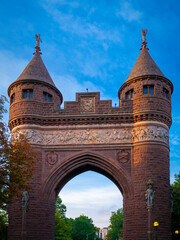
column 83, row 162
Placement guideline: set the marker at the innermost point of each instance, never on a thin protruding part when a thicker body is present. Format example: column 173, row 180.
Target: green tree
column 175, row 218
column 16, row 162
column 116, row 226
column 63, row 226
column 83, row 226
column 61, row 207
column 3, row 224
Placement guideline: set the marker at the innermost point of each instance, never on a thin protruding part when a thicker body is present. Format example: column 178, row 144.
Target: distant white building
column 103, row 232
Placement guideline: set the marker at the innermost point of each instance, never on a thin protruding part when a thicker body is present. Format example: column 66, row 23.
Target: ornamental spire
column 38, row 40
column 144, row 43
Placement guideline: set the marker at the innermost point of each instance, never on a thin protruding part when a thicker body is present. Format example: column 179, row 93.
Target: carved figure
column 150, row 133
column 144, row 32
column 134, row 135
column 38, row 39
column 24, row 201
column 150, row 195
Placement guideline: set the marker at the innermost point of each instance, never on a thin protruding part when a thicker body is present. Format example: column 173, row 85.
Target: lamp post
column 177, row 234
column 156, row 224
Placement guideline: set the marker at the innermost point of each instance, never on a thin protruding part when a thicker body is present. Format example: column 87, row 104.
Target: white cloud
column 96, row 203
column 176, row 119
column 129, row 13
column 10, row 68
column 69, row 86
column 174, row 139
column 75, row 24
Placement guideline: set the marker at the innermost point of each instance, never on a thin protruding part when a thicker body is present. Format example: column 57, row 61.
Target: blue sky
column 92, row 44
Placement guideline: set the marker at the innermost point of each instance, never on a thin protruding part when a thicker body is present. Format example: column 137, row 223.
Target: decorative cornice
column 89, row 120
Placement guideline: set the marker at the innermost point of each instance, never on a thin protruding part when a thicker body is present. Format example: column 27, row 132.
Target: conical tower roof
column 144, row 65
column 36, row 70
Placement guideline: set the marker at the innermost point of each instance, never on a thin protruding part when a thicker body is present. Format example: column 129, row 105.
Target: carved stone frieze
column 74, row 137
column 93, row 136
column 150, row 133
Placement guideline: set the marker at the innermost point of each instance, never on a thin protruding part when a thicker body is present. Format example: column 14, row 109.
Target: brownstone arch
column 128, row 143
column 86, row 161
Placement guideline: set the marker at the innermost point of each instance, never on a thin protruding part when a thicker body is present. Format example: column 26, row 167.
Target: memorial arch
column 128, row 143
column 83, row 162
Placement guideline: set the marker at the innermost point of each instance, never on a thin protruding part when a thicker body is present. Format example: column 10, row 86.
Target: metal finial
column 144, row 43
column 38, row 40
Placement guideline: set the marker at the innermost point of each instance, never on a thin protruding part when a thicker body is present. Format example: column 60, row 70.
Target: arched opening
column 76, row 165
column 83, row 162
column 94, row 196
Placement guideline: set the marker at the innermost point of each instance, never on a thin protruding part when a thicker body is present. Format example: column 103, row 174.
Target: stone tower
column 27, row 91
column 128, row 144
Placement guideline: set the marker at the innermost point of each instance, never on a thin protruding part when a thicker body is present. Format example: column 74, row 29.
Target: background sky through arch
column 93, row 195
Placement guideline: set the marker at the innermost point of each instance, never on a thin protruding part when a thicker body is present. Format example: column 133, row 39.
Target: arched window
column 47, row 97
column 12, row 98
column 27, row 93
column 165, row 93
column 148, row 89
column 130, row 94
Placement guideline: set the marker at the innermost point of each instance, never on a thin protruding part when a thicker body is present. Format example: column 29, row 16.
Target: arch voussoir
column 84, row 162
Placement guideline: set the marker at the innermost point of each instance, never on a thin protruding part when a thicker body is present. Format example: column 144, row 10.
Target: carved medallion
column 51, row 158
column 87, row 104
column 123, row 156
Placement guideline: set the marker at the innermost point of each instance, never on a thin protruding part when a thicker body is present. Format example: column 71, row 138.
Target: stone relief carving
column 123, row 156
column 87, row 104
column 84, row 136
column 152, row 133
column 93, row 136
column 52, row 158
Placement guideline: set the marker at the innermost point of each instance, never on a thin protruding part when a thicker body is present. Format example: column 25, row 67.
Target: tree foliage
column 176, row 204
column 59, row 206
column 3, row 224
column 81, row 227
column 16, row 162
column 63, row 226
column 72, row 229
column 116, row 226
